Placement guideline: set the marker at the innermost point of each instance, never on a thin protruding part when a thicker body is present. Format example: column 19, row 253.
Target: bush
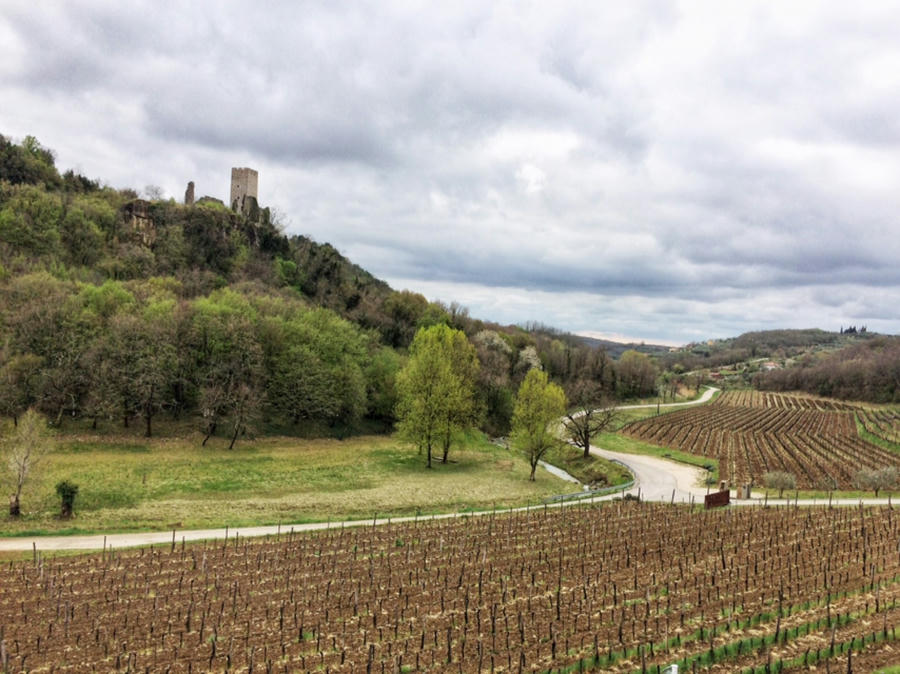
column 876, row 480
column 779, row 480
column 66, row 492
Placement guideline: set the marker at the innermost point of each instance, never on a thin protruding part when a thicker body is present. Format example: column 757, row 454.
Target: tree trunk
column 446, row 444
column 587, row 444
column 234, row 436
column 533, row 470
column 210, row 429
column 148, row 415
column 428, row 454
column 14, row 509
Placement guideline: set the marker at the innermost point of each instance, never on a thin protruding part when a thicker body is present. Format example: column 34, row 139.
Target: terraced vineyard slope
column 615, row 587
column 884, row 424
column 751, row 433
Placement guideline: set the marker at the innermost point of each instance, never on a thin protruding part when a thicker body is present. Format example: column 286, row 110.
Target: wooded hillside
column 869, row 370
column 115, row 308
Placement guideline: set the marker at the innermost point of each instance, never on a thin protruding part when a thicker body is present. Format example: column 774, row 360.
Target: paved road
column 655, row 480
column 707, row 394
column 658, row 479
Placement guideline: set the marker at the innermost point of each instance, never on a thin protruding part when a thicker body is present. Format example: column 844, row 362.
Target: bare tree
column 26, row 448
column 593, row 413
column 154, row 193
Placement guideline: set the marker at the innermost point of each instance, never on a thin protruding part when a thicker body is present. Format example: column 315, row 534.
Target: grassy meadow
column 591, row 470
column 128, row 483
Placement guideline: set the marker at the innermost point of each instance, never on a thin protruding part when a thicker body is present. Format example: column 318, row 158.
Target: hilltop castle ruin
column 244, row 194
column 244, row 186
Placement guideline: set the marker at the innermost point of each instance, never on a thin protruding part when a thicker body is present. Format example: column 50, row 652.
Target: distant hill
column 779, row 344
column 866, row 369
column 616, row 349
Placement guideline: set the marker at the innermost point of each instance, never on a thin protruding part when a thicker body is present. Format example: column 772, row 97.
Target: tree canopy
column 436, row 389
column 539, row 405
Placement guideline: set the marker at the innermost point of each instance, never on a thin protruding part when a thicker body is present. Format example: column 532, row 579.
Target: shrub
column 780, row 480
column 66, row 492
column 876, row 480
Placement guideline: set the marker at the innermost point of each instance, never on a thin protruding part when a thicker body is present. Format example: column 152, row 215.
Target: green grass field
column 592, row 470
column 127, row 483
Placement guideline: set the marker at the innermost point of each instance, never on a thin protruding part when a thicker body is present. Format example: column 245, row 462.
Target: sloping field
column 882, row 423
column 751, row 433
column 783, row 402
column 616, row 587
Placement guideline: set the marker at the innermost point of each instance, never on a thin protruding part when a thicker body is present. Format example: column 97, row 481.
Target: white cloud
column 531, row 178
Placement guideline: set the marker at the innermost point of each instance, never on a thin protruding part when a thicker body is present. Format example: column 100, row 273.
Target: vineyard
column 779, row 401
column 882, row 423
column 751, row 433
column 621, row 587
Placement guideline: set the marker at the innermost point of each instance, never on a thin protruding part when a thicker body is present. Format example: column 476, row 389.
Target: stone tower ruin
column 244, row 186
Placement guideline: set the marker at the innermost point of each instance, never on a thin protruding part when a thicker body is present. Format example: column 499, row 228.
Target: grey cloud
column 648, row 167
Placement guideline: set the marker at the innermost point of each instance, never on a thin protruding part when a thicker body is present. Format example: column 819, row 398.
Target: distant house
column 770, row 365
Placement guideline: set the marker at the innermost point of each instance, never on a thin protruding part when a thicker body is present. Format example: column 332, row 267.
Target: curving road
column 658, row 479
column 655, row 479
column 707, row 394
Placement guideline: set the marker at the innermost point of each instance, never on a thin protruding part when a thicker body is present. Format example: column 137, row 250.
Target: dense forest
column 117, row 310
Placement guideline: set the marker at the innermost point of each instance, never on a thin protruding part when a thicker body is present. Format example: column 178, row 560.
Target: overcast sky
column 665, row 171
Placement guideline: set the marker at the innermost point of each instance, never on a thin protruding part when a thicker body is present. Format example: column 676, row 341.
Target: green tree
column 876, row 479
column 24, row 452
column 436, row 388
column 229, row 363
column 539, row 405
column 143, row 354
column 494, row 387
column 780, row 480
column 19, row 376
column 635, row 375
column 66, row 491
column 403, row 311
column 29, row 221
column 28, row 162
column 381, row 384
column 315, row 365
column 461, row 411
column 81, row 237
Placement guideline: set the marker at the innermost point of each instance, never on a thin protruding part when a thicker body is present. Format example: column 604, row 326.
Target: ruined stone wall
column 244, row 183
